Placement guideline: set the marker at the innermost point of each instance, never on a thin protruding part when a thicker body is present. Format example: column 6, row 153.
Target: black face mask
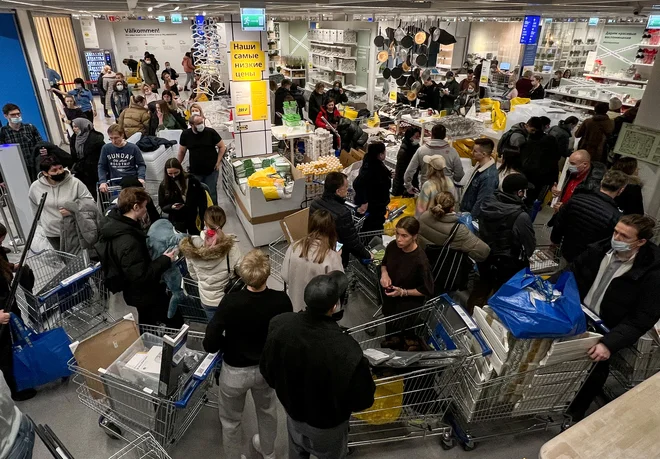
column 58, row 177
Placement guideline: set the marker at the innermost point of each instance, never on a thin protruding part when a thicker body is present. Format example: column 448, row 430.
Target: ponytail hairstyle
column 443, row 203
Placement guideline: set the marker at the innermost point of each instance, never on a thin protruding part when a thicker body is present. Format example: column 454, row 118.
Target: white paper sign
column 90, row 38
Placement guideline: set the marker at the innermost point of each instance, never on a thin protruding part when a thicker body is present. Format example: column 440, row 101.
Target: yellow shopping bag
column 498, row 117
column 409, row 211
column 485, row 104
column 519, row 101
column 388, row 400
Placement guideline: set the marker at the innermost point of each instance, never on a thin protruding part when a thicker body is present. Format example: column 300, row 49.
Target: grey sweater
column 453, row 171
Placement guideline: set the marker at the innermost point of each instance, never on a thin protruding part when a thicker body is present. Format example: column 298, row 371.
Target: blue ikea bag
column 527, row 307
column 39, row 358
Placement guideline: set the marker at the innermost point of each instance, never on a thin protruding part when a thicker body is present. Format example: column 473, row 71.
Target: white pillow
column 135, row 138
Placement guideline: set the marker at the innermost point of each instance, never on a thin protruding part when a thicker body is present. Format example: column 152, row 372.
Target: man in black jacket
column 582, row 175
column 619, row 279
column 588, row 217
column 333, row 200
column 540, row 159
column 449, row 93
column 429, row 96
column 127, row 265
column 507, row 228
column 318, row 371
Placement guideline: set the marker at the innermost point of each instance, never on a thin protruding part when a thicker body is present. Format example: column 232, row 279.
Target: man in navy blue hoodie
column 120, row 159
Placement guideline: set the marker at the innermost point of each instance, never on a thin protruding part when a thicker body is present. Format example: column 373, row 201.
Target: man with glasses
column 619, row 280
column 23, row 134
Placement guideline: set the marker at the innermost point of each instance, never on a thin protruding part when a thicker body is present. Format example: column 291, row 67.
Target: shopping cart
column 105, row 199
column 143, row 447
column 546, row 259
column 635, row 364
column 128, row 410
column 411, row 401
column 191, row 309
column 68, row 292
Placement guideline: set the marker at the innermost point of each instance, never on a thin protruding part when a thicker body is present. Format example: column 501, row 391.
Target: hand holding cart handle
column 595, row 320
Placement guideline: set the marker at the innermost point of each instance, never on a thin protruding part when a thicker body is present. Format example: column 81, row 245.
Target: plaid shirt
column 27, row 137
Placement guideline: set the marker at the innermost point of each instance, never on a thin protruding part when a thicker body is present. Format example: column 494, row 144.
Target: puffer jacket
column 81, row 229
column 315, row 104
column 135, row 119
column 86, row 162
column 69, row 189
column 563, row 134
column 435, row 231
column 513, row 139
column 346, row 232
column 160, row 238
column 149, row 74
column 208, row 265
column 352, row 135
column 593, row 134
column 588, row 217
column 403, row 158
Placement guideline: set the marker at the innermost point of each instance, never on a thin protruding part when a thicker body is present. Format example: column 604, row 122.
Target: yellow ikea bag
column 262, row 178
column 519, row 101
column 209, row 203
column 498, row 117
column 485, row 104
column 388, row 400
column 409, row 211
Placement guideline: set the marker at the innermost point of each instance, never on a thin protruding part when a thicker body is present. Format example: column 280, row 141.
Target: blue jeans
column 22, row 448
column 210, row 311
column 210, row 181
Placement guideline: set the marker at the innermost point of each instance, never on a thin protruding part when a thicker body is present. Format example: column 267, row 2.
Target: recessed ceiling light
column 150, row 9
column 203, row 13
column 176, row 9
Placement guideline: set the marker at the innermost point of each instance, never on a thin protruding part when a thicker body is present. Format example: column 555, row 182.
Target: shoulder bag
column 450, row 268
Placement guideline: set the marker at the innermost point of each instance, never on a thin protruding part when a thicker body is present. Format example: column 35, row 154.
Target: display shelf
column 335, row 56
column 443, row 66
column 643, row 65
column 649, row 46
column 575, row 96
column 330, row 43
column 293, row 70
column 331, row 70
column 613, row 78
column 573, row 104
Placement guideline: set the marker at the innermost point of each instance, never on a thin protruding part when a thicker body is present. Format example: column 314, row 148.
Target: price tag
column 243, row 110
column 393, row 96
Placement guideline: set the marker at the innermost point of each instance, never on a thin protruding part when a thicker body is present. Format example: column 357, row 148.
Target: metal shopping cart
column 68, row 292
column 128, row 410
column 411, row 401
column 143, row 447
column 105, row 199
column 191, row 309
column 546, row 259
column 633, row 365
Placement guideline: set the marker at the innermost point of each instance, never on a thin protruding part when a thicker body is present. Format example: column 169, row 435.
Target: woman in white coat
column 212, row 258
column 311, row 256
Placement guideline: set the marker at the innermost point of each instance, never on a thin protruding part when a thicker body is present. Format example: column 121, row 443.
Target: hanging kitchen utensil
column 421, row 60
column 420, row 37
column 397, row 72
column 401, row 81
column 416, row 86
column 387, row 73
column 406, row 66
column 411, row 96
column 382, row 56
column 399, row 33
column 379, row 41
column 426, row 74
column 432, row 32
column 446, row 38
column 436, row 33
column 417, row 73
column 407, row 41
column 389, row 32
column 410, row 81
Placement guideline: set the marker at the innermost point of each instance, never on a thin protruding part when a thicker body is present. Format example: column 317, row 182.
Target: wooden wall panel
column 46, row 43
column 58, row 46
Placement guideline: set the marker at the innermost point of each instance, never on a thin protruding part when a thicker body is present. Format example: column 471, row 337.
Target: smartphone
column 338, row 246
column 389, row 289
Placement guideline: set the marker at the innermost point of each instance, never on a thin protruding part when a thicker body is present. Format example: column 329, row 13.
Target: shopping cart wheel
column 448, row 443
column 469, row 445
column 110, row 428
column 566, row 424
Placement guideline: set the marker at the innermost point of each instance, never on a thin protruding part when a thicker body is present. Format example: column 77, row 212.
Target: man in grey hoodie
column 436, row 146
column 16, row 430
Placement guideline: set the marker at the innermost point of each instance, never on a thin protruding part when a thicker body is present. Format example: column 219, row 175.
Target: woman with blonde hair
column 149, row 95
column 313, row 255
column 436, row 182
column 196, row 109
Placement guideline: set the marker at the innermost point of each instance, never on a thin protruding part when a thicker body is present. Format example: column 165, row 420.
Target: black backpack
column 504, row 142
column 113, row 277
column 450, row 268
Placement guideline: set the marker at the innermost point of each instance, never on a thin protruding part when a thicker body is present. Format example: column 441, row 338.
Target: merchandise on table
column 315, row 173
column 272, row 174
column 321, row 142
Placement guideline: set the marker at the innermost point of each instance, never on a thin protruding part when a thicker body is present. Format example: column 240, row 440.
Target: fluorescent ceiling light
column 150, row 9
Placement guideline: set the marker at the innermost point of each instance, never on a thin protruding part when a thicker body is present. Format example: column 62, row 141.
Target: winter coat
column 149, row 74
column 109, row 80
column 485, row 180
column 151, row 143
column 429, row 97
column 507, row 228
column 447, row 101
column 352, row 135
column 299, row 96
column 630, row 305
column 85, row 166
column 513, row 139
column 337, row 96
column 593, row 134
column 135, row 119
column 69, row 189
column 185, row 218
column 162, row 237
column 466, row 100
column 187, row 64
column 52, row 150
column 524, row 86
column 298, row 271
column 563, row 134
column 588, row 217
column 631, row 201
column 121, row 100
column 178, row 122
column 540, row 160
column 453, row 171
column 332, row 118
column 317, row 370
column 435, row 231
column 372, row 186
column 346, row 232
column 208, row 265
column 315, row 104
column 537, row 93
column 280, row 95
column 123, row 250
column 403, row 158
column 81, row 229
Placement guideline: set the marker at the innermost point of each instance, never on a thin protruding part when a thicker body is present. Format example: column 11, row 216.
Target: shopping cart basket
column 105, row 199
column 128, row 410
column 411, row 401
column 143, row 447
column 68, row 292
column 546, row 258
column 635, row 364
column 191, row 309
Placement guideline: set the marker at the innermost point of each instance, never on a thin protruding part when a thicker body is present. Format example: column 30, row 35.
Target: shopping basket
column 143, row 447
column 635, row 364
column 105, row 199
column 191, row 309
column 68, row 292
column 128, row 410
column 411, row 401
column 546, row 258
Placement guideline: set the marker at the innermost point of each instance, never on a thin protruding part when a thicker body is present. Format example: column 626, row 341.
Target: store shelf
column 331, row 70
column 575, row 96
column 330, row 43
column 335, row 56
column 443, row 66
column 649, row 46
column 573, row 104
column 643, row 65
column 293, row 70
column 613, row 78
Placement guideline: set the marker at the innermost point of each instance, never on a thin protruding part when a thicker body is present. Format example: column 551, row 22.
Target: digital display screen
column 176, row 18
column 253, row 19
column 505, row 66
column 530, row 30
column 593, row 21
column 654, row 22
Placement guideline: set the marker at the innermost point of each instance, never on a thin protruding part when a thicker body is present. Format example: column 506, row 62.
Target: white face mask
column 120, row 87
column 415, row 141
column 470, row 91
column 195, row 113
column 199, row 127
column 78, row 86
column 620, row 246
column 510, row 86
column 147, row 61
column 573, row 169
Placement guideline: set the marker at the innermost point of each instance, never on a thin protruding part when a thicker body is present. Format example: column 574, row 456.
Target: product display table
column 290, row 133
column 487, row 132
column 577, row 96
column 425, row 122
column 626, row 428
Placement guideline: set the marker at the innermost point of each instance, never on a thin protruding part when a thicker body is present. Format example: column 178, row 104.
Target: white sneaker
column 256, row 442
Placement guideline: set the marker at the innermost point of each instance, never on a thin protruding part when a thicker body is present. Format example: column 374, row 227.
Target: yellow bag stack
column 498, row 117
column 464, row 147
column 388, row 400
column 519, row 101
column 409, row 211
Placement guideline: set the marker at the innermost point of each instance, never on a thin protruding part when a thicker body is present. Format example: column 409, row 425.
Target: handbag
column 39, row 358
column 235, row 282
column 450, row 268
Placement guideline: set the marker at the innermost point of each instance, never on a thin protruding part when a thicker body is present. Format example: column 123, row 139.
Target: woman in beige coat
column 437, row 224
column 311, row 256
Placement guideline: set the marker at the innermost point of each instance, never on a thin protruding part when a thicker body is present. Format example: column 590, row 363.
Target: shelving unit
column 294, row 74
column 333, row 51
column 331, row 43
column 278, row 41
column 563, row 36
column 613, row 78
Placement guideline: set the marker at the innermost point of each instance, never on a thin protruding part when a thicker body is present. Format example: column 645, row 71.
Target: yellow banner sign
column 247, row 60
column 259, row 95
column 243, row 109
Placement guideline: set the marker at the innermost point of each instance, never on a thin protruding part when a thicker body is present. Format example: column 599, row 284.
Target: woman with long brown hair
column 315, row 254
column 182, row 197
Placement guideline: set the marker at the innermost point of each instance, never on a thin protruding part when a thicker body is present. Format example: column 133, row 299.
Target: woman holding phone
column 182, row 197
column 311, row 256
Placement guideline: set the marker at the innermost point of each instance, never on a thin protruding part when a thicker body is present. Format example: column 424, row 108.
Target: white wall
column 500, row 38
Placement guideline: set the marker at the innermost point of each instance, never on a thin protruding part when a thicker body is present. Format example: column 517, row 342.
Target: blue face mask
column 620, row 246
column 18, row 120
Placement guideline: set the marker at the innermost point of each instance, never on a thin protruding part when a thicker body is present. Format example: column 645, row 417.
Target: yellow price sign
column 243, row 110
column 393, row 96
column 247, row 60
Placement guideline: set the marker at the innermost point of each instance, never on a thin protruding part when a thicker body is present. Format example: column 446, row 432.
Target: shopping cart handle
column 474, row 329
column 187, row 394
column 597, row 321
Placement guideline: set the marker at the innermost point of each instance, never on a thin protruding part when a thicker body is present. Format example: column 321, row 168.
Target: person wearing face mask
column 120, row 159
column 206, row 152
column 149, row 70
column 409, row 146
column 510, row 92
column 337, row 93
column 467, row 99
column 24, row 134
column 582, row 174
column 149, row 95
column 62, row 187
column 449, row 93
column 588, row 217
column 619, row 279
column 126, row 262
column 537, row 92
column 83, row 98
column 182, row 197
column 170, row 71
column 316, row 101
column 301, row 350
column 121, row 98
column 135, row 118
column 196, row 110
column 86, row 145
column 507, row 228
column 428, row 96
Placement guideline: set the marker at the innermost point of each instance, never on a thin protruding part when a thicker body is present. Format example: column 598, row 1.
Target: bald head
column 579, row 161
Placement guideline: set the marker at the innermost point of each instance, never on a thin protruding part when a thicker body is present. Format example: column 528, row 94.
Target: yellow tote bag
column 388, row 400
column 519, row 101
